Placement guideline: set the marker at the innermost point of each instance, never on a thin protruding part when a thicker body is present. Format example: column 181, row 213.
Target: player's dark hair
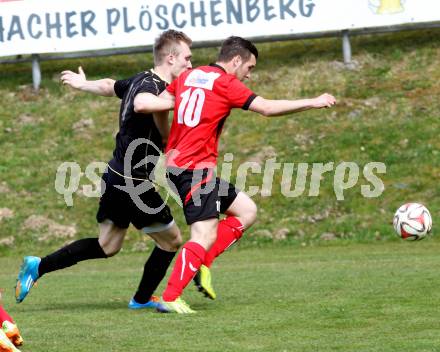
column 167, row 43
column 234, row 46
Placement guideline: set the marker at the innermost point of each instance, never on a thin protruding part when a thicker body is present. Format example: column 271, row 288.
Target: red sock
column 4, row 316
column 187, row 264
column 229, row 231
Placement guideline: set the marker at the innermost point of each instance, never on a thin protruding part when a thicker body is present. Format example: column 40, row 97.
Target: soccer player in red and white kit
column 202, row 99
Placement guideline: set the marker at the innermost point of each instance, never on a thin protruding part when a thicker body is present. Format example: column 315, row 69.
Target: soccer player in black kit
column 129, row 196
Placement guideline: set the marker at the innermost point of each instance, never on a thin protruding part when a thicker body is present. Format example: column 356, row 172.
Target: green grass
column 375, row 297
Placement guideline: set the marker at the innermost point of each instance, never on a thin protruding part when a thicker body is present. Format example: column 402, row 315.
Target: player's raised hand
column 73, row 79
column 324, row 101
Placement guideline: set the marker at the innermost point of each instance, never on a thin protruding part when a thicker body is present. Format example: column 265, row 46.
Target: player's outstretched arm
column 268, row 107
column 103, row 87
column 148, row 103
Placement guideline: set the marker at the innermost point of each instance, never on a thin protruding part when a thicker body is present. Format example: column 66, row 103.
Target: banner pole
column 346, row 47
column 36, row 71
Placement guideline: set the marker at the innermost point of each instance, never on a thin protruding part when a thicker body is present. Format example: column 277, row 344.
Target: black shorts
column 125, row 206
column 203, row 195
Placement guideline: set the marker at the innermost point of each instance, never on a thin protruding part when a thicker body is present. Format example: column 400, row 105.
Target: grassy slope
column 388, row 111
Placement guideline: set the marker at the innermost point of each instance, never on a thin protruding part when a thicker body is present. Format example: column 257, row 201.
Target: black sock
column 87, row 248
column 155, row 270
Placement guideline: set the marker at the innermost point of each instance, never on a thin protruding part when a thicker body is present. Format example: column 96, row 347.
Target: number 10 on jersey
column 190, row 108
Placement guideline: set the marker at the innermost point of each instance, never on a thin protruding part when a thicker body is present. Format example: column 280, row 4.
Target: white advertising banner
column 54, row 26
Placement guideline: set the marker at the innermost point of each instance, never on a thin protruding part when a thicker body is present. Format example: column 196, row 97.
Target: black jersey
column 133, row 126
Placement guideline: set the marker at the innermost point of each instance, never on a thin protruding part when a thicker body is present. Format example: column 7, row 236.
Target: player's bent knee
column 110, row 247
column 244, row 209
column 204, row 232
column 252, row 215
column 111, row 238
column 171, row 246
column 111, row 251
column 248, row 214
column 177, row 241
column 169, row 239
column 173, row 241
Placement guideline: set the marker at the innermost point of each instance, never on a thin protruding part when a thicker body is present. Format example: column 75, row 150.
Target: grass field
column 285, row 288
column 376, row 297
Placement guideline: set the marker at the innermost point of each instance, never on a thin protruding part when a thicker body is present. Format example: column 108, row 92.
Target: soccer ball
column 412, row 221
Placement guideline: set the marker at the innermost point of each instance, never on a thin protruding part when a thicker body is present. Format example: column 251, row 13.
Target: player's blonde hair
column 168, row 43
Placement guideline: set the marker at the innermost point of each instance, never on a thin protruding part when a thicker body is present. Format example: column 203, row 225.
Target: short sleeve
column 141, row 83
column 172, row 87
column 121, row 87
column 239, row 95
column 149, row 85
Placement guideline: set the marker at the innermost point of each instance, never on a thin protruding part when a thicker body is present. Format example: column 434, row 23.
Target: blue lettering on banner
column 303, row 11
column 30, row 26
column 161, row 12
column 253, row 11
column 201, row 14
column 70, row 24
column 183, row 15
column 113, row 16
column 235, row 11
column 53, row 25
column 15, row 28
column 267, row 9
column 2, row 29
column 145, row 20
column 87, row 18
column 181, row 9
column 285, row 8
column 127, row 28
column 214, row 13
